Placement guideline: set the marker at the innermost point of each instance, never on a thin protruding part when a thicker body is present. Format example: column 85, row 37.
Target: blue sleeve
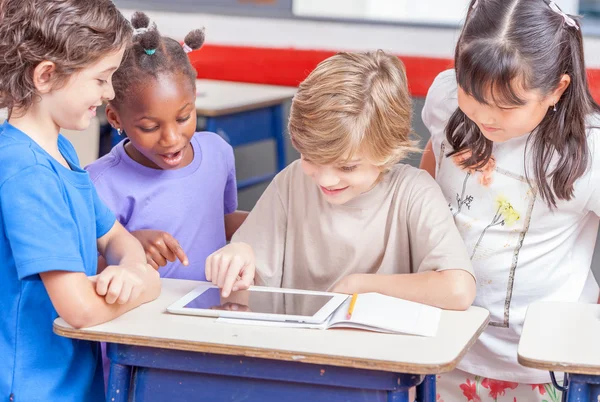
column 42, row 234
column 230, row 198
column 105, row 219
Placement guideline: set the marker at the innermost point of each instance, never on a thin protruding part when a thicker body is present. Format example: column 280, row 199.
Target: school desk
column 563, row 337
column 244, row 114
column 157, row 356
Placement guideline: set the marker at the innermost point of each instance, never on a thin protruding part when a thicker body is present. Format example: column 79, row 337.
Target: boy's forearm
column 449, row 289
column 121, row 247
column 82, row 306
column 101, row 312
column 125, row 249
column 101, row 264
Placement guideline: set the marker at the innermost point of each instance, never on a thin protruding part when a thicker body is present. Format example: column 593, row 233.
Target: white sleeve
column 441, row 102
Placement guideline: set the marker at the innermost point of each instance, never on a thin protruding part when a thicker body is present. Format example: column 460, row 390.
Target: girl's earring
column 554, row 107
column 119, row 131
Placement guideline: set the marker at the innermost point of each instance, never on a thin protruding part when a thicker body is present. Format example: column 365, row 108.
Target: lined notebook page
column 377, row 312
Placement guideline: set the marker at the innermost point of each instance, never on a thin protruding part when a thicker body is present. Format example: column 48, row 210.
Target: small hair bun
column 140, row 20
column 195, row 39
column 150, row 40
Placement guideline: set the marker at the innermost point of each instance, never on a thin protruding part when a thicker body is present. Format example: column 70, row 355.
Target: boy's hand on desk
column 122, row 284
column 231, row 268
column 160, row 247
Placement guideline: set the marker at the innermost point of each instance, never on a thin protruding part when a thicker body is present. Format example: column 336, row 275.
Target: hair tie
column 186, row 48
column 143, row 30
column 475, row 4
column 568, row 20
column 150, row 52
column 140, row 31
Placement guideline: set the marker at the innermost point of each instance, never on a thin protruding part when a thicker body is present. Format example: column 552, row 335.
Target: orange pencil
column 351, row 307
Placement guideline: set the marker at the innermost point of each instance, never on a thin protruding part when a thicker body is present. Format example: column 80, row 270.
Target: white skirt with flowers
column 459, row 386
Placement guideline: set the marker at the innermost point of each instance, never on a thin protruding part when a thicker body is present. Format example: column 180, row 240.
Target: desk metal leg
column 407, row 382
column 583, row 388
column 578, row 392
column 278, row 130
column 426, row 391
column 119, row 381
column 595, row 392
column 398, row 396
column 562, row 388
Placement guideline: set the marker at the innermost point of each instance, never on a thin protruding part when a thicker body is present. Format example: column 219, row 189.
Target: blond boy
column 348, row 217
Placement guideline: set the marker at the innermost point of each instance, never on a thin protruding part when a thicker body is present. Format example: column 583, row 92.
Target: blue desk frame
column 249, row 127
column 579, row 387
column 139, row 373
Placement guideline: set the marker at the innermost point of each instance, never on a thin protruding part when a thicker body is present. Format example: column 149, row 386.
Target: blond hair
column 353, row 102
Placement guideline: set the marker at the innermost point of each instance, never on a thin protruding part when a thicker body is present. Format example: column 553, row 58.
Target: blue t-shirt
column 50, row 217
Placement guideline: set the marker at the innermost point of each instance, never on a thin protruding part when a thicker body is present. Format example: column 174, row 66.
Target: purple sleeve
column 107, row 187
column 230, row 197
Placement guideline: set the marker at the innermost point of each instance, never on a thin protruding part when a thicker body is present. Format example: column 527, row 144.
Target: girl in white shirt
column 514, row 146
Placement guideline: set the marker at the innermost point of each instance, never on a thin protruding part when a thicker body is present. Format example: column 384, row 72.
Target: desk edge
column 360, row 363
column 452, row 365
column 557, row 367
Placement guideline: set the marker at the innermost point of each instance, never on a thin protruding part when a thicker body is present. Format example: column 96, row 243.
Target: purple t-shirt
column 190, row 203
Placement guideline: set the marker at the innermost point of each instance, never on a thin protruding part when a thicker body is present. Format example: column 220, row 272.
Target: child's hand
column 160, row 247
column 232, row 307
column 348, row 285
column 231, row 268
column 124, row 283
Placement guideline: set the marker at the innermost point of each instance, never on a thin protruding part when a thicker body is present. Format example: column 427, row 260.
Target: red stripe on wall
column 594, row 82
column 290, row 66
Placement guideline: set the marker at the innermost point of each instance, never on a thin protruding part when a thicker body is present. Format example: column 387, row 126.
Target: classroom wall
column 447, row 12
column 262, row 32
column 282, row 51
column 431, row 11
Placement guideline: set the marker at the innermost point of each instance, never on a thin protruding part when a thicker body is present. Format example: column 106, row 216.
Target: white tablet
column 260, row 303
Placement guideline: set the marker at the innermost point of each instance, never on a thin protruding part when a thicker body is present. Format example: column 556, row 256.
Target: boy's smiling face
column 73, row 105
column 343, row 181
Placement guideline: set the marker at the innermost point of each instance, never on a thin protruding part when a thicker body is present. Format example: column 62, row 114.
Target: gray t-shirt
column 301, row 241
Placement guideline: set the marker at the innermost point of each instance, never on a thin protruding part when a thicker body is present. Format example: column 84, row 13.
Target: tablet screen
column 261, row 302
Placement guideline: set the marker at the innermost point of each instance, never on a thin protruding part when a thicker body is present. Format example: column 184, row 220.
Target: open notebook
column 372, row 312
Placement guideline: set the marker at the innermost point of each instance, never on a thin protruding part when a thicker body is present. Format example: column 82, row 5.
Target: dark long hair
column 525, row 40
